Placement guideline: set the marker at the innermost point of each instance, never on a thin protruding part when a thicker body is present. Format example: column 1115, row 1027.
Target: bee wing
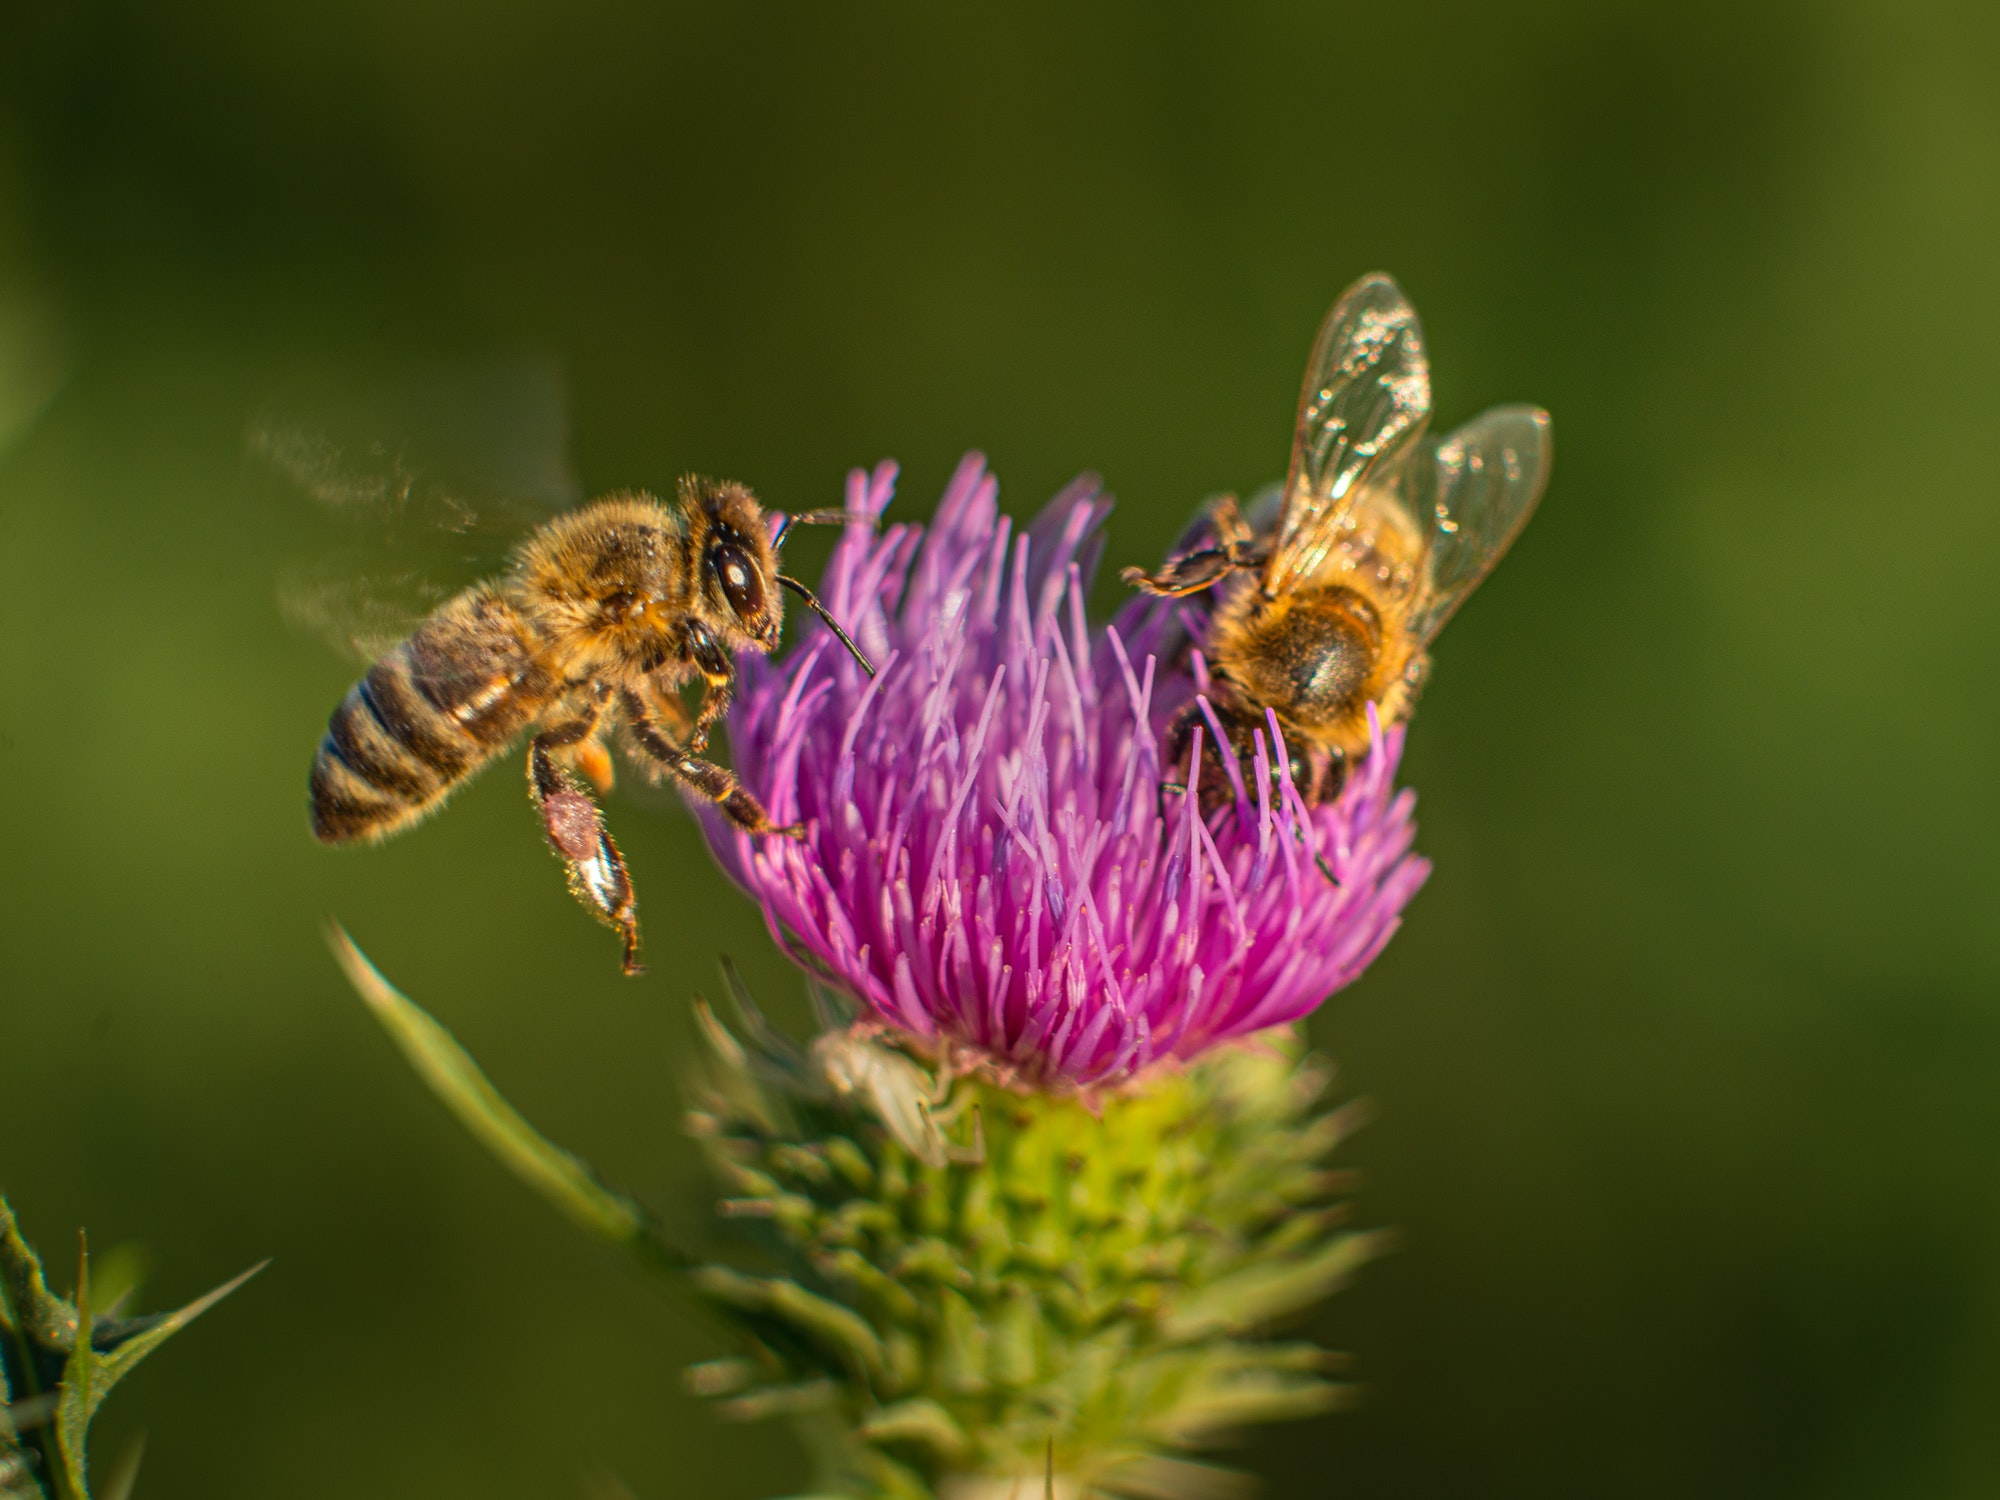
column 362, row 615
column 1366, row 397
column 389, row 502
column 1483, row 484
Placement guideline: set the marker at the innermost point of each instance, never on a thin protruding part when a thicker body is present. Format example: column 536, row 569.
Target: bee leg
column 714, row 782
column 1180, row 731
column 575, row 828
column 718, row 675
column 1230, row 528
column 1184, row 575
column 714, row 705
column 581, row 745
column 665, row 711
column 1207, row 566
column 1326, row 774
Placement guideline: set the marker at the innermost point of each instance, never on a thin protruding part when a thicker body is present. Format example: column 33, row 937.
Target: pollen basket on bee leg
column 572, row 824
column 594, row 761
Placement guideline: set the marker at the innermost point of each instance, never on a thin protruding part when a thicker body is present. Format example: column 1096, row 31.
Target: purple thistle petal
column 987, row 857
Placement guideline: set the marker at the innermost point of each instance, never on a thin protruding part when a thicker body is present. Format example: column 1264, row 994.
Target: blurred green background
column 1687, row 1062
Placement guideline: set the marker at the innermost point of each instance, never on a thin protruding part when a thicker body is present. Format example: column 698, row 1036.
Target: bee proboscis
column 1334, row 588
column 603, row 615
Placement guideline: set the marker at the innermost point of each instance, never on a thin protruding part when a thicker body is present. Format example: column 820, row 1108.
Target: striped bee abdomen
column 426, row 716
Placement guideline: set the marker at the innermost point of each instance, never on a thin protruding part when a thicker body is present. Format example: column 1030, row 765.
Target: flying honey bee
column 596, row 623
column 1378, row 535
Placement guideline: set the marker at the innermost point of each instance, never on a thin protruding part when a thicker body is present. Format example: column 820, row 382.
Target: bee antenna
column 831, row 623
column 820, row 518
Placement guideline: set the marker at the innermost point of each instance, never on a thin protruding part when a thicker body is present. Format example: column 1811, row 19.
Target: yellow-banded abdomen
column 426, row 716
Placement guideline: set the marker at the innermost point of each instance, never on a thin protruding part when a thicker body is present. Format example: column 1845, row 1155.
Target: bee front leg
column 575, row 828
column 1230, row 528
column 1207, row 566
column 1184, row 575
column 718, row 675
column 670, row 713
column 704, row 776
column 721, row 688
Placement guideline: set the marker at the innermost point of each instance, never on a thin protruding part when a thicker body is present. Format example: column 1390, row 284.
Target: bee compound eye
column 737, row 576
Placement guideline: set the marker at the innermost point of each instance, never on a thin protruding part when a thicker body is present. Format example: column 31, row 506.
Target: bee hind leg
column 575, row 828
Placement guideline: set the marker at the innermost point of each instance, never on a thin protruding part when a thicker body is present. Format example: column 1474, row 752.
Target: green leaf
column 816, row 1395
column 18, row 1459
column 46, row 1330
column 1264, row 1385
column 837, row 1330
column 1260, row 1293
column 22, row 1415
column 34, row 1310
column 1158, row 1476
column 922, row 1423
column 125, row 1473
column 602, row 1484
column 17, row 1481
column 563, row 1178
column 116, row 1276
column 77, row 1399
column 114, row 1364
column 1011, row 1352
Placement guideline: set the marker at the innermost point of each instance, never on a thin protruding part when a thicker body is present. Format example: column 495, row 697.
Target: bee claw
column 1326, row 868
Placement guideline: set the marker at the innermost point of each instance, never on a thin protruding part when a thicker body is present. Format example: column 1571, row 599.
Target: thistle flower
column 995, row 860
column 962, row 1270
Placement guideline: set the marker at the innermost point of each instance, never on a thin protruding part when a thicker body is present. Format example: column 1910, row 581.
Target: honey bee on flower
column 1334, row 587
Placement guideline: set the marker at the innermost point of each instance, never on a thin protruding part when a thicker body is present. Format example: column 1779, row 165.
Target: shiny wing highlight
column 1484, row 482
column 1366, row 398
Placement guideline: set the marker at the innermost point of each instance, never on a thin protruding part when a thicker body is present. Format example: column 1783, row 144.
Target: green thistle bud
column 959, row 1291
column 967, row 1285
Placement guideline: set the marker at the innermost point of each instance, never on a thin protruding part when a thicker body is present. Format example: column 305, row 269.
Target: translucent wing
column 386, row 503
column 1483, row 485
column 1366, row 397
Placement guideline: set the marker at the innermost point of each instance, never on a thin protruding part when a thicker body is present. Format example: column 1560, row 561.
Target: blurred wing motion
column 1366, row 398
column 1485, row 480
column 392, row 502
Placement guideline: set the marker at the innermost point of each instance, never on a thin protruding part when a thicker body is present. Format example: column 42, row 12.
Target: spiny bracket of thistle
column 52, row 1381
column 970, row 1291
column 957, row 1291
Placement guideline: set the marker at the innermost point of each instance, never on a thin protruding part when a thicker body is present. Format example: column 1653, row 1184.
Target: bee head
column 737, row 563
